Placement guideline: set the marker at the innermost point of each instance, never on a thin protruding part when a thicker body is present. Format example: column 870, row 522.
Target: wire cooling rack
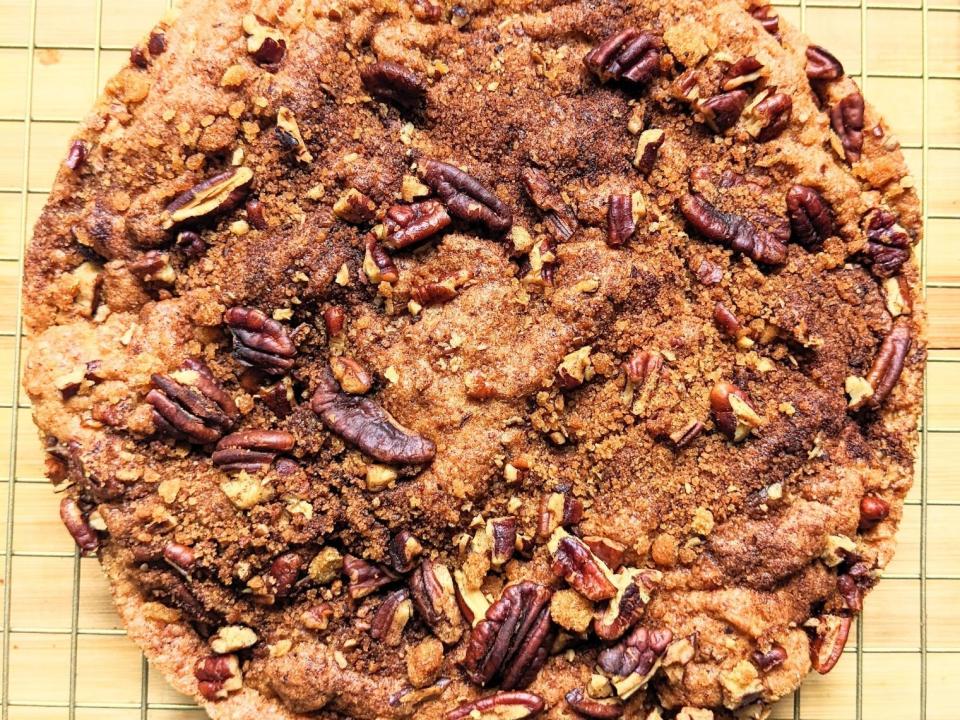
column 63, row 652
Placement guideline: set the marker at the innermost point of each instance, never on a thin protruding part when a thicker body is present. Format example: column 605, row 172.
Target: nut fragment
column 771, row 659
column 732, row 412
column 723, row 110
column 772, row 114
column 377, row 263
column 251, row 450
column 410, row 224
column 822, row 65
column 191, row 405
column 472, row 602
column 873, row 510
column 352, row 376
column 584, row 571
column 743, row 72
column 404, row 550
column 363, row 423
column 827, row 647
column 620, row 223
column 441, row 291
column 77, row 155
column 317, row 616
column 846, row 118
column 365, row 577
column 265, row 44
column 78, row 526
column 231, row 638
column 648, row 146
column 512, row 642
column 502, row 534
column 733, row 231
column 634, row 660
column 215, row 195
column 575, row 368
column 325, row 566
column 609, row 551
column 292, row 139
column 466, row 197
column 626, row 55
column 557, row 509
column 500, row 706
column 391, row 618
column 887, row 365
column 561, row 220
column 811, row 219
column 260, row 341
column 594, row 708
column 434, row 597
column 395, row 83
column 888, row 244
column 179, row 556
column 354, row 207
column 768, row 18
column 628, row 606
column 218, row 676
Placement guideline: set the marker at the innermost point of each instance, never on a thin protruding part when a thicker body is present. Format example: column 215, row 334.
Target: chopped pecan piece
column 251, row 450
column 743, row 72
column 822, row 65
column 365, row 577
column 773, row 113
column 513, row 640
column 363, row 423
column 641, row 365
column 77, row 155
column 410, row 224
column 561, row 220
column 846, row 118
column 181, row 557
column 557, row 509
column 215, row 195
column 648, row 146
column 283, row 573
column 395, row 83
column 873, row 510
column 888, row 244
column 502, row 532
column 811, row 219
column 626, row 55
column 628, row 606
column 732, row 412
column 434, row 597
column 768, row 18
column 191, row 405
column 584, row 571
column 634, row 660
column 218, row 676
column 333, row 320
column 771, row 659
column 722, row 111
column 472, row 602
column 445, row 290
column 732, row 231
column 887, row 365
column 620, row 223
column 683, row 437
column 377, row 263
column 265, row 44
column 609, row 551
column 409, row 698
column 500, row 706
column 826, row 648
column 593, row 708
column 291, row 139
column 391, row 618
column 426, row 11
column 575, row 368
column 78, row 526
column 353, row 377
column 404, row 550
column 260, row 341
column 255, row 214
column 153, row 267
column 466, row 197
column 354, row 207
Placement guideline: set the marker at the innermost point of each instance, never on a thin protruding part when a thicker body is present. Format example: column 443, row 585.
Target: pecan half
column 466, row 197
column 743, row 72
column 634, row 660
column 215, row 195
column 434, row 597
column 502, row 705
column 557, row 509
column 827, row 646
column 365, row 577
column 620, row 223
column 822, row 65
column 191, row 405
column 628, row 606
column 394, row 83
column 732, row 411
column 594, row 708
column 217, row 676
column 771, row 659
column 887, row 365
column 732, row 231
column 77, row 155
column 722, row 111
column 888, row 244
column 260, row 341
column 773, row 113
column 404, row 549
column 391, row 618
column 561, row 221
column 873, row 510
column 78, row 526
column 410, row 224
column 251, row 450
column 363, row 423
column 626, row 55
column 512, row 642
column 768, row 18
column 648, row 146
column 811, row 219
column 846, row 118
column 585, row 572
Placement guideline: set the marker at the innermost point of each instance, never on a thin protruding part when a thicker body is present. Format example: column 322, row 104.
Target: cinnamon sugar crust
column 492, row 360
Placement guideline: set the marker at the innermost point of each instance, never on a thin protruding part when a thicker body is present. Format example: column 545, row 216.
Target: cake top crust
column 485, row 360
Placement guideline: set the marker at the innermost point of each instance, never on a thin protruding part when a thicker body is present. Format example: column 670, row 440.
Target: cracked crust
column 739, row 530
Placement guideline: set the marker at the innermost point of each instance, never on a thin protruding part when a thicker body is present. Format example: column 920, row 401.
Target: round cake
column 486, row 360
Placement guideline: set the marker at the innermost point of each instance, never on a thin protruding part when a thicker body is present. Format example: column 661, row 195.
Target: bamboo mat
column 63, row 653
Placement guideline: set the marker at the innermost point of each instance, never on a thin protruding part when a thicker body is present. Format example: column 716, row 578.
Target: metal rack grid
column 907, row 644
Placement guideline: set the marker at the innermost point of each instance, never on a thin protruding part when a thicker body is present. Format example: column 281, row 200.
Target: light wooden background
column 63, row 653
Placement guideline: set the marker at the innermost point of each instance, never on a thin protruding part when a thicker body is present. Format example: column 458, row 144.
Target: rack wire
column 63, row 651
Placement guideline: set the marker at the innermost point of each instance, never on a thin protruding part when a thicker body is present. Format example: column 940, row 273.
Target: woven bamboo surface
column 63, row 654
